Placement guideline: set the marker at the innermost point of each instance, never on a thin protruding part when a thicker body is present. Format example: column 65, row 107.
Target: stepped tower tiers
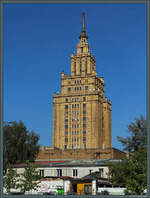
column 81, row 113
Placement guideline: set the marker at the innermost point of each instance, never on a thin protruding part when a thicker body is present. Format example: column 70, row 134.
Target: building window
column 72, row 105
column 59, row 172
column 66, row 139
column 84, row 139
column 66, row 99
column 84, row 112
column 84, row 125
column 66, row 126
column 41, row 173
column 69, row 89
column 80, row 88
column 86, row 88
column 84, row 98
column 84, row 105
column 84, row 146
column 66, row 106
column 65, row 146
column 66, row 132
column 81, row 49
column 66, row 113
column 84, row 132
column 66, row 119
column 75, row 172
column 84, row 118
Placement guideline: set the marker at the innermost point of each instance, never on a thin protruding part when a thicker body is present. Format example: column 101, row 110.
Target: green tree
column 10, row 179
column 19, row 144
column 30, row 179
column 131, row 172
column 138, row 135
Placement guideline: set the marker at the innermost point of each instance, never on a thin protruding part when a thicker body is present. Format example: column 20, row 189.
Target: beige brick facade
column 79, row 154
column 81, row 113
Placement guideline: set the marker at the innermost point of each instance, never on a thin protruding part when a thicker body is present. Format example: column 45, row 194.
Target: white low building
column 74, row 169
column 69, row 175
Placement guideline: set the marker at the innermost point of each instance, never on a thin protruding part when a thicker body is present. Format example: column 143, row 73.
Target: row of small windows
column 76, row 139
column 76, row 132
column 77, row 88
column 75, row 126
column 75, row 146
column 75, row 105
column 75, row 113
column 77, row 81
column 75, row 99
column 59, row 172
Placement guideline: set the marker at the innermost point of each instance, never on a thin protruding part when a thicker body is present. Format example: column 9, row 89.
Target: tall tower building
column 81, row 113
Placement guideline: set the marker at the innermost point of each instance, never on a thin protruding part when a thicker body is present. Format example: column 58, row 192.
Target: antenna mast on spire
column 83, row 22
column 83, row 32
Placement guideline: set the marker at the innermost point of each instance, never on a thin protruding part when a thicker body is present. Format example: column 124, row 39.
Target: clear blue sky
column 38, row 42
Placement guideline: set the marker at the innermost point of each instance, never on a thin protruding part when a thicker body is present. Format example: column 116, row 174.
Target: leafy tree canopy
column 30, row 178
column 10, row 179
column 132, row 172
column 19, row 144
column 138, row 138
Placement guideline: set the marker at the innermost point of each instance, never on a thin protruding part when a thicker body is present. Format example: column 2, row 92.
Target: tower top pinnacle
column 83, row 32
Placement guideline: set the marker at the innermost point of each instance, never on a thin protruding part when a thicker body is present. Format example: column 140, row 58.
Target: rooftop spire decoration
column 83, row 32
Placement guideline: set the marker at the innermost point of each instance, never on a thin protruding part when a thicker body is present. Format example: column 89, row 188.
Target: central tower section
column 81, row 113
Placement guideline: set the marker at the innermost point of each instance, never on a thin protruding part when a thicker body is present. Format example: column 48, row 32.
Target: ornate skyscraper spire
column 81, row 114
column 83, row 32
